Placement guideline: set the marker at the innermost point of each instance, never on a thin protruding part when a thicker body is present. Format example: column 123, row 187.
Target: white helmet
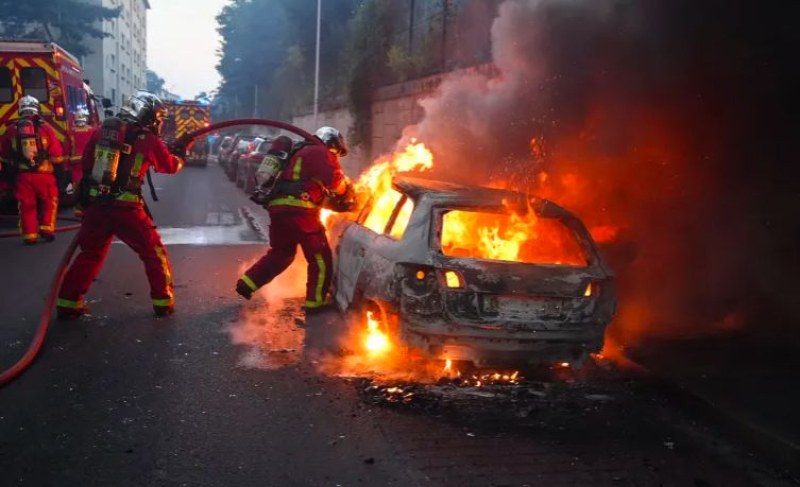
column 28, row 105
column 333, row 139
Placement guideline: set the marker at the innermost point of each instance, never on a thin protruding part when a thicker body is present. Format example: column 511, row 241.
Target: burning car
column 489, row 276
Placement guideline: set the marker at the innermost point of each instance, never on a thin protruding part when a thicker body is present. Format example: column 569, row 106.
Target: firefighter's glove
column 342, row 203
column 178, row 149
column 260, row 197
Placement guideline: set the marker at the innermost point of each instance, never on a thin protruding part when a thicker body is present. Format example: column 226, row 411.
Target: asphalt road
column 221, row 394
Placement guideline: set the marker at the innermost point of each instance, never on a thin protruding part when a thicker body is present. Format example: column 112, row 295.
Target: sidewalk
column 751, row 382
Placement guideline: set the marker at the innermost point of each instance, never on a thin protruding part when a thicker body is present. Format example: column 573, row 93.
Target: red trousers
column 286, row 231
column 134, row 228
column 34, row 188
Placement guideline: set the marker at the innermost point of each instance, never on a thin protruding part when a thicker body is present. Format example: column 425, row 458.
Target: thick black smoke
column 669, row 119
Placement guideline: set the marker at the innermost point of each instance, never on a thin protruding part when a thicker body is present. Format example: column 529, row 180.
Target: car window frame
column 362, row 217
column 437, row 223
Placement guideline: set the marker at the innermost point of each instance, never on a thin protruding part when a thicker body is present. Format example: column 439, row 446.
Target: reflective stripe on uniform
column 164, row 302
column 292, row 201
column 162, row 257
column 28, row 236
column 137, row 165
column 47, row 228
column 249, row 282
column 321, row 277
column 129, row 197
column 66, row 303
column 298, row 166
column 315, row 304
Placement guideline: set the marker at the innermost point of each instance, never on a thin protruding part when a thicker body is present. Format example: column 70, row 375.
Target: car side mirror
column 106, row 103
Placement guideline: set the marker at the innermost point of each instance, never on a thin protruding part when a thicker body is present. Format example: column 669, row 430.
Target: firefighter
column 115, row 162
column 28, row 151
column 312, row 178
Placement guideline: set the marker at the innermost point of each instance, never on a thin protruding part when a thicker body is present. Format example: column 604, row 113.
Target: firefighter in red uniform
column 311, row 178
column 115, row 162
column 29, row 150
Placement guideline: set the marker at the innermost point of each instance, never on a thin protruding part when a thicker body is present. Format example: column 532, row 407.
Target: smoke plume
column 662, row 124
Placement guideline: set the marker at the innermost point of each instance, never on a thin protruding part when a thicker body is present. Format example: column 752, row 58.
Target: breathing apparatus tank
column 270, row 169
column 28, row 142
column 109, row 151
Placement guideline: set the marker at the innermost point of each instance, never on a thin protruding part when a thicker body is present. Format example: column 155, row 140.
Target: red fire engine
column 54, row 76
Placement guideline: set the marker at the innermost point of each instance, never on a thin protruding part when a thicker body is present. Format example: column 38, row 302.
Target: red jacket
column 9, row 152
column 318, row 171
column 148, row 151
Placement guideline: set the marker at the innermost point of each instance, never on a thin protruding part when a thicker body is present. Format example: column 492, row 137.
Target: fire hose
column 35, row 346
column 65, row 228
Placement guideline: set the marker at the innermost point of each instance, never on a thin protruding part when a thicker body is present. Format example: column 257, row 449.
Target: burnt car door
column 368, row 248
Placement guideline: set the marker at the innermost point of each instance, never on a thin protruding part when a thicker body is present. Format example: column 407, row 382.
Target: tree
column 67, row 22
column 155, row 83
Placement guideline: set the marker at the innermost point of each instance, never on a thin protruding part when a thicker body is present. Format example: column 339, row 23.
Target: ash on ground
column 564, row 394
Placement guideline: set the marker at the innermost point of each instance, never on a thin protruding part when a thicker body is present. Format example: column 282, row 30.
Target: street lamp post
column 316, row 65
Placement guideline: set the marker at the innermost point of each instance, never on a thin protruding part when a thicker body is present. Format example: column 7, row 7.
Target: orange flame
column 376, row 341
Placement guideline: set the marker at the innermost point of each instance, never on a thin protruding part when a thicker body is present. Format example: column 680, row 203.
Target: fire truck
column 54, row 76
column 184, row 117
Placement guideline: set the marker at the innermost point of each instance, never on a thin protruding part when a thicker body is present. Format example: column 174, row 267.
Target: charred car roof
column 454, row 194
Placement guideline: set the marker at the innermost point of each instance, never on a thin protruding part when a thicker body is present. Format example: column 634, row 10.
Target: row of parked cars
column 240, row 155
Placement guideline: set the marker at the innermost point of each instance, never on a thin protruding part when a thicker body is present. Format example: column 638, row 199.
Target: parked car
column 240, row 144
column 225, row 147
column 248, row 164
column 410, row 258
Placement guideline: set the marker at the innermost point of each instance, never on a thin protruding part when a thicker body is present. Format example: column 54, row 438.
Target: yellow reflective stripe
column 129, row 197
column 164, row 302
column 47, row 228
column 315, row 304
column 292, row 201
column 27, row 236
column 298, row 166
column 321, row 277
column 66, row 303
column 137, row 165
column 249, row 282
column 162, row 256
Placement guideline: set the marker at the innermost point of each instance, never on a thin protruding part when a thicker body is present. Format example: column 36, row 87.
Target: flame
column 509, row 237
column 376, row 341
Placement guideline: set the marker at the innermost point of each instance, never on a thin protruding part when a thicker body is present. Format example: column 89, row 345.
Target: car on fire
column 475, row 274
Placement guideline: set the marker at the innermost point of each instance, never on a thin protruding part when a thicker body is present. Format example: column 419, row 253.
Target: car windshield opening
column 509, row 237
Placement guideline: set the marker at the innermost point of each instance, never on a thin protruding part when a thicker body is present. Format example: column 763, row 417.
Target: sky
column 182, row 43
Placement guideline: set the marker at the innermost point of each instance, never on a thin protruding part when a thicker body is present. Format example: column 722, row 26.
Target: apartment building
column 117, row 65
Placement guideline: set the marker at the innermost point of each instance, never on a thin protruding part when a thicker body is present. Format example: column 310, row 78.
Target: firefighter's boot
column 163, row 311
column 244, row 289
column 71, row 314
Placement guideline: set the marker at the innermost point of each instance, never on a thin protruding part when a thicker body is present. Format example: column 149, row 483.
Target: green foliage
column 155, row 83
column 405, row 65
column 367, row 49
column 67, row 22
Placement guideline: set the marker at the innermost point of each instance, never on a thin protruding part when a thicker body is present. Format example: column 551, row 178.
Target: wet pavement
column 227, row 392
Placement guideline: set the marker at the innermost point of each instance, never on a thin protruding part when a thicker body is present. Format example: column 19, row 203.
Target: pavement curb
column 763, row 440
